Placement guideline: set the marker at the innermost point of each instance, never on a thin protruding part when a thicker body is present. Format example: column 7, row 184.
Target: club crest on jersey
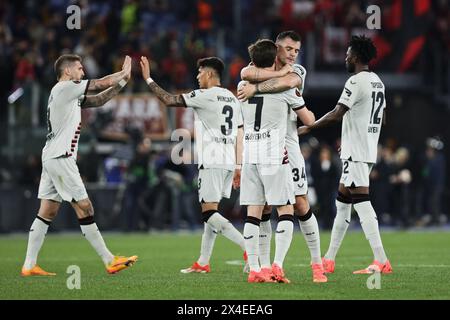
column 348, row 92
column 297, row 92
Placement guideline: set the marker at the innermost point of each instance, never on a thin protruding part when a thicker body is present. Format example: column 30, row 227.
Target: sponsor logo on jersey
column 192, row 94
column 223, row 140
column 257, row 136
column 347, row 92
column 378, row 85
column 373, row 130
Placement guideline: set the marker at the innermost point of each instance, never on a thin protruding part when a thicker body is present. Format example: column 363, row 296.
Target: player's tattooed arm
column 106, row 82
column 98, row 100
column 168, row 99
column 274, row 85
column 333, row 116
column 254, row 74
column 112, row 79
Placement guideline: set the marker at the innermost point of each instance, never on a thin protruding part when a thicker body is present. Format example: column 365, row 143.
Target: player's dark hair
column 289, row 34
column 212, row 62
column 63, row 61
column 263, row 53
column 363, row 48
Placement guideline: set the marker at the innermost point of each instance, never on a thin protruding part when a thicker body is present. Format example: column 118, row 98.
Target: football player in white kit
column 218, row 116
column 266, row 174
column 361, row 108
column 287, row 75
column 60, row 179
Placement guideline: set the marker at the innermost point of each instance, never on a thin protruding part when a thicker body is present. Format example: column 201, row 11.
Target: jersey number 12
column 375, row 118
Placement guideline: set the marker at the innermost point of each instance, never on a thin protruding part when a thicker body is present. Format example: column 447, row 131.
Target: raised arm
column 98, row 100
column 254, row 74
column 289, row 81
column 334, row 115
column 109, row 80
column 168, row 99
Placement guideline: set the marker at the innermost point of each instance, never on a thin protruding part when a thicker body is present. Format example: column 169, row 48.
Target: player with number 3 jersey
column 218, row 120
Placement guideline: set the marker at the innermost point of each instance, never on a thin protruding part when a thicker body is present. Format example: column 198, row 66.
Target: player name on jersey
column 226, row 99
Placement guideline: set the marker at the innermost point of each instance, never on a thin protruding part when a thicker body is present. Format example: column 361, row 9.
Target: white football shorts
column 297, row 164
column 61, row 180
column 214, row 184
column 266, row 183
column 355, row 174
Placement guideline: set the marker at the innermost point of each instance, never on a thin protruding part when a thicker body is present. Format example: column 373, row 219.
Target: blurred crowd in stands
column 174, row 34
column 406, row 188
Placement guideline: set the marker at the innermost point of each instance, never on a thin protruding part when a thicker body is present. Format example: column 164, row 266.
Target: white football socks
column 265, row 238
column 208, row 238
column 251, row 238
column 369, row 224
column 36, row 238
column 225, row 227
column 92, row 234
column 283, row 238
column 310, row 230
column 340, row 226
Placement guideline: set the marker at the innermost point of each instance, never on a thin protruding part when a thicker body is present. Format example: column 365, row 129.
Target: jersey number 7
column 259, row 101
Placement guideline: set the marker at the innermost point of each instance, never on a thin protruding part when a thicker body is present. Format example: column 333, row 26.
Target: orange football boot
column 119, row 263
column 35, row 271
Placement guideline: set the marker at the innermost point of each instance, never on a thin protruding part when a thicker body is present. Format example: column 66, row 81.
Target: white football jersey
column 64, row 119
column 292, row 135
column 364, row 95
column 217, row 118
column 265, row 126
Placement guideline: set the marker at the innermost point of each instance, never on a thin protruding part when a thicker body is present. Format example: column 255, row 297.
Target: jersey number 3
column 228, row 111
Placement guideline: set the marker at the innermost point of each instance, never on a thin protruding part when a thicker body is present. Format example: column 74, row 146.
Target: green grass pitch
column 420, row 260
